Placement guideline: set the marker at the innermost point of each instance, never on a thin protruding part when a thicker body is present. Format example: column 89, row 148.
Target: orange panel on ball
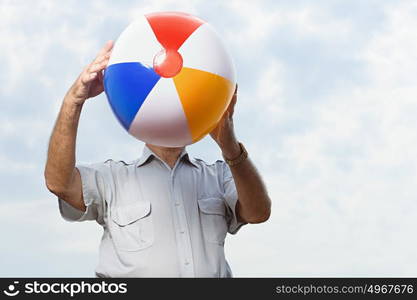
column 204, row 97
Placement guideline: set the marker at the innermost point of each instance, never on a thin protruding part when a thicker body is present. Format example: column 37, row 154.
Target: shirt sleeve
column 95, row 189
column 231, row 198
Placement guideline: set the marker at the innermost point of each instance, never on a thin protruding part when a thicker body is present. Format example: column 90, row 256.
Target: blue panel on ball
column 127, row 85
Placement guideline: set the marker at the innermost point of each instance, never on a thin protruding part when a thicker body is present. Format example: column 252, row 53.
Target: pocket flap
column 127, row 214
column 212, row 206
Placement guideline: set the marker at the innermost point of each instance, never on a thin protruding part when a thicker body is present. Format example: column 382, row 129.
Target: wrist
column 72, row 104
column 231, row 150
column 76, row 94
column 73, row 100
column 243, row 155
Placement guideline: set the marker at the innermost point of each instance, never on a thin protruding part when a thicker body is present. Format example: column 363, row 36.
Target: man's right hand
column 61, row 176
column 90, row 82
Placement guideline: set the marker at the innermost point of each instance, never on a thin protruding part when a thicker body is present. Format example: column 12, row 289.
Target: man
column 165, row 214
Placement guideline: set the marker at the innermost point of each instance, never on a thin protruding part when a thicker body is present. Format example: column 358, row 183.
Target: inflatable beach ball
column 169, row 79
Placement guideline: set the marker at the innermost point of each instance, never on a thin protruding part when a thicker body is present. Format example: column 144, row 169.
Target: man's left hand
column 224, row 135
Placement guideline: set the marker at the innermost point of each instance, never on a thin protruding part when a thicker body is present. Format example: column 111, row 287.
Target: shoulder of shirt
column 119, row 162
column 204, row 163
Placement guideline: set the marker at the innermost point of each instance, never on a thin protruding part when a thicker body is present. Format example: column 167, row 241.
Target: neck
column 168, row 154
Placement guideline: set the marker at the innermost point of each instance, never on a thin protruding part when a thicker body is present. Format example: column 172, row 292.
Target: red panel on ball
column 173, row 28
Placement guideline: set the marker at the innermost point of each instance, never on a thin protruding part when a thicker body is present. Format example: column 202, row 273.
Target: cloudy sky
column 327, row 109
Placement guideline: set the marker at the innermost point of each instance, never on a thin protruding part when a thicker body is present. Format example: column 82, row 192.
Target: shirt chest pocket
column 213, row 219
column 132, row 227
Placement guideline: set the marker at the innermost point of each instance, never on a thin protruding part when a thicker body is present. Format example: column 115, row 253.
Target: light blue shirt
column 158, row 221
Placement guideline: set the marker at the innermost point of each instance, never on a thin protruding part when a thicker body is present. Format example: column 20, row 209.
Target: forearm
column 254, row 205
column 254, row 202
column 59, row 170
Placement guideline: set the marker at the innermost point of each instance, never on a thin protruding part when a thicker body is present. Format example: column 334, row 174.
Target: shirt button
column 177, row 204
column 187, row 263
column 182, row 231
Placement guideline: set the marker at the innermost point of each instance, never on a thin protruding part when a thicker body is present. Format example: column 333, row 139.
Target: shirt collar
column 148, row 154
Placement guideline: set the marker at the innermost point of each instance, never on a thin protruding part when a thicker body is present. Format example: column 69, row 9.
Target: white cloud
column 392, row 55
column 261, row 22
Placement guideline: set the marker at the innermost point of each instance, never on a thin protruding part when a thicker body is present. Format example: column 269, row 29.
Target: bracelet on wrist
column 242, row 157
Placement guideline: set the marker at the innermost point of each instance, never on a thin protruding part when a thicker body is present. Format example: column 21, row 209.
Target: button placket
column 184, row 238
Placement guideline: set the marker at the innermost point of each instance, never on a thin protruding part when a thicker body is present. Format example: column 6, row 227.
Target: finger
column 100, row 76
column 234, row 100
column 234, row 97
column 98, row 67
column 99, row 60
column 103, row 54
column 232, row 104
column 86, row 78
column 106, row 48
column 226, row 115
column 231, row 110
column 103, row 57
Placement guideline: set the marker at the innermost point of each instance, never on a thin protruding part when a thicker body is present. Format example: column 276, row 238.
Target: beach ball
column 169, row 79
